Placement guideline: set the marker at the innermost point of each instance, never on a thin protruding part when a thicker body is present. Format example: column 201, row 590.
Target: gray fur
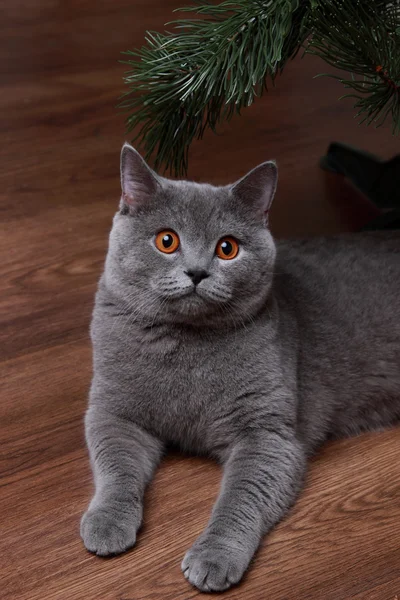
column 278, row 349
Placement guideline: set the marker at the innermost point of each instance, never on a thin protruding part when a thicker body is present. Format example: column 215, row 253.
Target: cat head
column 191, row 253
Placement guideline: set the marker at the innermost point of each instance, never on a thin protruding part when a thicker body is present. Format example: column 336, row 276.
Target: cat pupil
column 226, row 247
column 167, row 241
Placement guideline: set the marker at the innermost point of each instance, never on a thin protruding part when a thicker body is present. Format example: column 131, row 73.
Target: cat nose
column 197, row 275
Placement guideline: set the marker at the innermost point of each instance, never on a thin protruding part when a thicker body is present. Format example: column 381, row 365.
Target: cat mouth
column 193, row 299
column 198, row 300
column 196, row 305
column 194, row 293
column 189, row 296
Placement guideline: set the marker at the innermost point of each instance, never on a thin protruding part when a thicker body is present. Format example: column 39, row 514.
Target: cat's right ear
column 138, row 182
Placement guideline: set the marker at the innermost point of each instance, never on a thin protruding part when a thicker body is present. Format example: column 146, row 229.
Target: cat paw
column 213, row 570
column 104, row 533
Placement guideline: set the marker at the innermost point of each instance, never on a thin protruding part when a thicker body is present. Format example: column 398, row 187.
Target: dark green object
column 377, row 179
column 224, row 54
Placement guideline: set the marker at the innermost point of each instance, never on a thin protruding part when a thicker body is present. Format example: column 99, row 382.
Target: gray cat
column 209, row 335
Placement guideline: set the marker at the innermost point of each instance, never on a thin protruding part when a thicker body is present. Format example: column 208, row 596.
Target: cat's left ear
column 257, row 188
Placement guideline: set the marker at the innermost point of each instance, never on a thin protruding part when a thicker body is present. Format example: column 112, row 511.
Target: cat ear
column 138, row 181
column 257, row 188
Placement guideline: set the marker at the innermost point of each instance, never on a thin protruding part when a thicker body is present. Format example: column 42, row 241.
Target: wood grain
column 61, row 137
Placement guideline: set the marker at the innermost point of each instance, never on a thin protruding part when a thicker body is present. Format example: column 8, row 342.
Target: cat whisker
column 148, row 302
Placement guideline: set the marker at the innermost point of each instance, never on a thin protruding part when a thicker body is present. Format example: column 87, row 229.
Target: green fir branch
column 210, row 66
column 205, row 70
column 363, row 39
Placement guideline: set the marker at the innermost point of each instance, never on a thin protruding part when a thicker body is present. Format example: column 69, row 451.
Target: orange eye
column 227, row 248
column 167, row 242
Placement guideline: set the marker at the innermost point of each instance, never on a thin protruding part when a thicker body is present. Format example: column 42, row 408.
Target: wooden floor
column 60, row 142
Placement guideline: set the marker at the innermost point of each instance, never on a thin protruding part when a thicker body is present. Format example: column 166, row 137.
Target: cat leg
column 123, row 459
column 262, row 477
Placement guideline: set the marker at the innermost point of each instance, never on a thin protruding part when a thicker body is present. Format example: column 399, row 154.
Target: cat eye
column 227, row 248
column 167, row 242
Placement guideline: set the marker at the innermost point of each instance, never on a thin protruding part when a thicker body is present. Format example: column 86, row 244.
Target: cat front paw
column 104, row 533
column 213, row 569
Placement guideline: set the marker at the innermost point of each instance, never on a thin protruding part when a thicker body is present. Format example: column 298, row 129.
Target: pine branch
column 217, row 62
column 207, row 69
column 363, row 38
